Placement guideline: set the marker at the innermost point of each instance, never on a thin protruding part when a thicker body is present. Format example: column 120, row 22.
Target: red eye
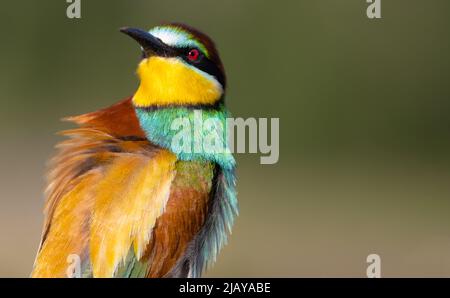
column 193, row 55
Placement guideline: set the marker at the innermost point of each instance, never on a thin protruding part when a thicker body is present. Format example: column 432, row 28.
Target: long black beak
column 151, row 45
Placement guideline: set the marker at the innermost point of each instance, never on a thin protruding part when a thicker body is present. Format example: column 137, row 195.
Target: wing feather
column 107, row 186
column 126, row 207
column 129, row 199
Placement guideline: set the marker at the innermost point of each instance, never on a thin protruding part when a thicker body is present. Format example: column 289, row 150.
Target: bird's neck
column 190, row 133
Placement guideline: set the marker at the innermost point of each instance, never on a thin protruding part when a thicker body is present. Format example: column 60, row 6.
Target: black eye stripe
column 209, row 67
column 202, row 63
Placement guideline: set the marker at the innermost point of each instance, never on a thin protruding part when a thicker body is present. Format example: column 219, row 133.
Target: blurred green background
column 364, row 108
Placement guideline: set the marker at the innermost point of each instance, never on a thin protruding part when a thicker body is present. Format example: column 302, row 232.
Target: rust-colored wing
column 116, row 192
column 122, row 205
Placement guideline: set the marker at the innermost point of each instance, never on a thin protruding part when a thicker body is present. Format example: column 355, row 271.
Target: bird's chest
column 184, row 215
column 189, row 193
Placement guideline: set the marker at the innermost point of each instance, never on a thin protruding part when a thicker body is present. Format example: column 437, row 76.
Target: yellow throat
column 170, row 81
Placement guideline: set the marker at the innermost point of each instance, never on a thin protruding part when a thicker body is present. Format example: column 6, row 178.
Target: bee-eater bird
column 118, row 197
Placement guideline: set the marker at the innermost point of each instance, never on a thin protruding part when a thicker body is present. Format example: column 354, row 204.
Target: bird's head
column 180, row 75
column 180, row 67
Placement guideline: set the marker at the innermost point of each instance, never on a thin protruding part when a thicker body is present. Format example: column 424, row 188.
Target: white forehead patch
column 176, row 37
column 169, row 37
